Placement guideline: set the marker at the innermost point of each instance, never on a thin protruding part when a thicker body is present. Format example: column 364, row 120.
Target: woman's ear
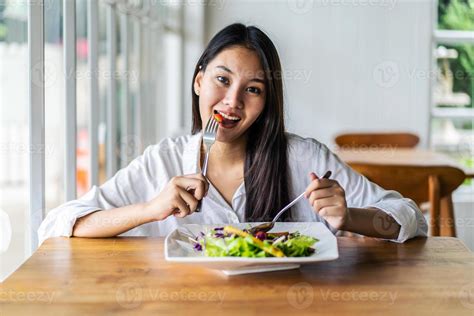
column 197, row 82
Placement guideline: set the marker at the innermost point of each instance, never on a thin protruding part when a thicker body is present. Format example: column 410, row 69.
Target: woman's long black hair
column 266, row 169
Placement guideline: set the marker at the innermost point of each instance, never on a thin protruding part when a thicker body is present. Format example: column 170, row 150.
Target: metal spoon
column 269, row 225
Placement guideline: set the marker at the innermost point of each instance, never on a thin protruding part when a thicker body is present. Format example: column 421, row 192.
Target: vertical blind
column 133, row 28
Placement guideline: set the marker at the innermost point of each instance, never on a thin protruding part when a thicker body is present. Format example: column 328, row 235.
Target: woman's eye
column 254, row 90
column 223, row 80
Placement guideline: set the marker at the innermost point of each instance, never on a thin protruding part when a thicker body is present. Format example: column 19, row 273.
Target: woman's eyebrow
column 230, row 71
column 224, row 68
column 258, row 80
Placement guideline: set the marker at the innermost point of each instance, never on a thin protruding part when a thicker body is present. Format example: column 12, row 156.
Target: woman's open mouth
column 228, row 121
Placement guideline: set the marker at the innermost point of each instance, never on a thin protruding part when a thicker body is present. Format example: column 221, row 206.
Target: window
column 108, row 45
column 54, row 100
column 453, row 92
column 14, row 150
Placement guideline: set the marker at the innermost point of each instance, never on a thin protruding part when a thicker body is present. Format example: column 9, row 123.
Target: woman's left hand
column 328, row 200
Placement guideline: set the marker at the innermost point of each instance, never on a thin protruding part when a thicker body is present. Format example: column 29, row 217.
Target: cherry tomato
column 218, row 118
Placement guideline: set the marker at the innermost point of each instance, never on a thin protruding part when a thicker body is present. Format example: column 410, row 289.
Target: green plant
column 459, row 15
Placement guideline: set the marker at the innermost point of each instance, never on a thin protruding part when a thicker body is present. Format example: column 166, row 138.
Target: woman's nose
column 233, row 98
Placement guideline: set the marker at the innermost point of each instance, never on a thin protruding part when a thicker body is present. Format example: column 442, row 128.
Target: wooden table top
column 424, row 276
column 400, row 156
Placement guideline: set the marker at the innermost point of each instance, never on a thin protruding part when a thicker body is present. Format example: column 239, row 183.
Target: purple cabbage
column 198, row 246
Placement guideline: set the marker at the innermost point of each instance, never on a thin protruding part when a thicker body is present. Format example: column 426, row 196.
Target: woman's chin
column 224, row 137
column 227, row 135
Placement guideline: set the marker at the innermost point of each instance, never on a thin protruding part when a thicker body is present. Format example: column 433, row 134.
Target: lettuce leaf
column 236, row 246
column 298, row 246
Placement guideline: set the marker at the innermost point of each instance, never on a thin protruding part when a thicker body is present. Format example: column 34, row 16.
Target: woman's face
column 232, row 84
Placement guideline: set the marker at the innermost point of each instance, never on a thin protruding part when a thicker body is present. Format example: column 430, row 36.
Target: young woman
column 255, row 167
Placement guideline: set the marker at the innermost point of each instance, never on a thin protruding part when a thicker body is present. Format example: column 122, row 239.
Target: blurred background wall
column 352, row 66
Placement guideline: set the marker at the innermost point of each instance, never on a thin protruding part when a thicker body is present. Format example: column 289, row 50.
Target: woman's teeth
column 233, row 118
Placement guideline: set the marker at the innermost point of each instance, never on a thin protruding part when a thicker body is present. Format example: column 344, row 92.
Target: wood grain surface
column 400, row 156
column 424, row 276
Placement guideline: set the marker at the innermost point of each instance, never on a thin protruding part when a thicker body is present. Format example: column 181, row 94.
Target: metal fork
column 209, row 137
column 269, row 225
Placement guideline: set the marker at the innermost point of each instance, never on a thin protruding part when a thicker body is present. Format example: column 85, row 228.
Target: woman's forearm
column 111, row 222
column 371, row 222
column 174, row 199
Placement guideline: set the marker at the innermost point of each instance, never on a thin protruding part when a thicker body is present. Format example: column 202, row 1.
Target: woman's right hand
column 180, row 197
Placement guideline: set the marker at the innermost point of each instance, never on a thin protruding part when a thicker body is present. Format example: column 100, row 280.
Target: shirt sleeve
column 362, row 193
column 134, row 184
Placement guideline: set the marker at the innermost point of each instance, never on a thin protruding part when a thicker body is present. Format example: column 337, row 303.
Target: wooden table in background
column 442, row 222
column 424, row 276
column 400, row 156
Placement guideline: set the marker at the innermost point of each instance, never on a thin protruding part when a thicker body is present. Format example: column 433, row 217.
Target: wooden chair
column 421, row 184
column 374, row 140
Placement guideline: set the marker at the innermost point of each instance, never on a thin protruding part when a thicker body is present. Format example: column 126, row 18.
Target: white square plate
column 178, row 248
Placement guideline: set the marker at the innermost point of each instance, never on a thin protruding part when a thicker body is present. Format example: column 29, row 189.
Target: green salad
column 229, row 241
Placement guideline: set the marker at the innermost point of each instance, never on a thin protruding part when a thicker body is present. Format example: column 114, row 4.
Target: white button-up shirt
column 145, row 177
